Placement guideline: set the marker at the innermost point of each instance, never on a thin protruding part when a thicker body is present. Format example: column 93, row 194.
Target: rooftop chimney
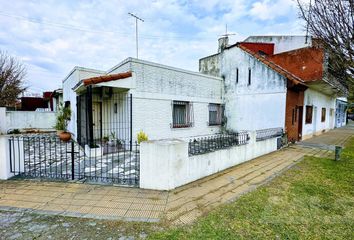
column 223, row 43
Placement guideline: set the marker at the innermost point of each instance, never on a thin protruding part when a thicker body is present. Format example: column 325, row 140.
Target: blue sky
column 51, row 37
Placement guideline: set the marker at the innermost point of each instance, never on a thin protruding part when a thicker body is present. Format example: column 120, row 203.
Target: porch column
column 89, row 115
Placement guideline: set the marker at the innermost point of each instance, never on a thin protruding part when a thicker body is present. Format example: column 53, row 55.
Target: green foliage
column 142, row 137
column 15, row 131
column 63, row 116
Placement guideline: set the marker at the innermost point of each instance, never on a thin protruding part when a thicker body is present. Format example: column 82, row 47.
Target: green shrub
column 142, row 137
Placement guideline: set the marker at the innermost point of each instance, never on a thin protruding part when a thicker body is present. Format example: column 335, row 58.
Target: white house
column 276, row 81
column 136, row 95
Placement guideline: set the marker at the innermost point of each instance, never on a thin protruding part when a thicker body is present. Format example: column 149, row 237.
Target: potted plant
column 63, row 116
column 112, row 140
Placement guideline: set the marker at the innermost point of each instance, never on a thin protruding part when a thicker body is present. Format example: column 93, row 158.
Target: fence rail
column 213, row 143
column 46, row 156
column 268, row 133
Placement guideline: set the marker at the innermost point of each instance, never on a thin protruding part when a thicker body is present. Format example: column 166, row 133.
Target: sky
column 52, row 37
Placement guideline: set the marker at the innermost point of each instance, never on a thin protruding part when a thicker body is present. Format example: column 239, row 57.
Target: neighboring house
column 255, row 94
column 57, row 99
column 276, row 81
column 136, row 95
column 33, row 104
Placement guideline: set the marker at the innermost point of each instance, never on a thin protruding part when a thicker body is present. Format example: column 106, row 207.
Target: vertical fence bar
column 131, row 122
column 72, row 161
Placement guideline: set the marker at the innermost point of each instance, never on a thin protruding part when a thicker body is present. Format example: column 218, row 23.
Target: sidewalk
column 182, row 205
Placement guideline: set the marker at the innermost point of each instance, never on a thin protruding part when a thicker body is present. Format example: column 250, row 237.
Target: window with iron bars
column 182, row 114
column 215, row 114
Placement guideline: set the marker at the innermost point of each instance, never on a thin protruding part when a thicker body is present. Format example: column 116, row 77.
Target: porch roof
column 106, row 78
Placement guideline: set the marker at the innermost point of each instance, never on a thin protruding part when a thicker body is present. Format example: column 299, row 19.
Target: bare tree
column 331, row 21
column 12, row 74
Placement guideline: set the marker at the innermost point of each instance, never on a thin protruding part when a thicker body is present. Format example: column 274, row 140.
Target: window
column 115, row 108
column 309, row 114
column 249, row 76
column 215, row 114
column 182, row 114
column 236, row 75
column 323, row 115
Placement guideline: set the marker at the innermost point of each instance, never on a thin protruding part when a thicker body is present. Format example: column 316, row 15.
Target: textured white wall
column 169, row 163
column 259, row 105
column 29, row 119
column 283, row 43
column 319, row 101
column 155, row 86
column 76, row 75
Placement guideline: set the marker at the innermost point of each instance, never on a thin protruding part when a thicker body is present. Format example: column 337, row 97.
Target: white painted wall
column 283, row 43
column 155, row 86
column 257, row 106
column 10, row 120
column 318, row 101
column 17, row 157
column 73, row 78
column 169, row 164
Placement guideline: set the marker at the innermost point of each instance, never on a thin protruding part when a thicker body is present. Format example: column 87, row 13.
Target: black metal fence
column 264, row 134
column 213, row 143
column 103, row 115
column 46, row 156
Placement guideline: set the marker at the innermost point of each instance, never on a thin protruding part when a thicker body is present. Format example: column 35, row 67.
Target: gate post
column 72, row 161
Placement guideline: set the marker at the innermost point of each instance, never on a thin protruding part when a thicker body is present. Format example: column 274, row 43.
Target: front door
column 97, row 120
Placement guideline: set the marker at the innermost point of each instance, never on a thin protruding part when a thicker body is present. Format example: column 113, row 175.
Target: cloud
column 51, row 37
column 268, row 10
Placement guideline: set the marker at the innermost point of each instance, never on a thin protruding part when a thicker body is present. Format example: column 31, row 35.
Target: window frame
column 323, row 114
column 219, row 114
column 188, row 115
column 237, row 75
column 308, row 119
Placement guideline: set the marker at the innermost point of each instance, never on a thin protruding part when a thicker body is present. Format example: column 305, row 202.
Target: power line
column 81, row 29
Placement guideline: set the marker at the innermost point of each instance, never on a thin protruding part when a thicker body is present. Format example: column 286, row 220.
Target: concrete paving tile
column 156, row 215
column 137, row 214
column 107, row 211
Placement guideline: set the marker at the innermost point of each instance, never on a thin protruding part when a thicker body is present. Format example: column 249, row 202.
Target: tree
column 331, row 21
column 12, row 74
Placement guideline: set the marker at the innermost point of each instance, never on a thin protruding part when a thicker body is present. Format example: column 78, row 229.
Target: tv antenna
column 136, row 32
column 226, row 33
column 308, row 23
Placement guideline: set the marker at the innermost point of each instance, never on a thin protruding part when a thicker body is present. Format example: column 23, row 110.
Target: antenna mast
column 136, row 32
column 227, row 34
column 308, row 23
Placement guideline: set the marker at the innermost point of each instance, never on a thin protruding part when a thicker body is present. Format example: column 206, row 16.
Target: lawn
column 313, row 200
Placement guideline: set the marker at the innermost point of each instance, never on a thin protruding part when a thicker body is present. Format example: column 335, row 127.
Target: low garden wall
column 10, row 120
column 167, row 164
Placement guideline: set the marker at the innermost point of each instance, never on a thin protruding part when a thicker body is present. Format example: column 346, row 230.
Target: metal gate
column 46, row 156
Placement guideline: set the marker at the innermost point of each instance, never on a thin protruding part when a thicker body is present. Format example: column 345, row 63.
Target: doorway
column 97, row 120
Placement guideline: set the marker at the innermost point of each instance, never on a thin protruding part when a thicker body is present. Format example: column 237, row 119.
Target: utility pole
column 136, row 32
